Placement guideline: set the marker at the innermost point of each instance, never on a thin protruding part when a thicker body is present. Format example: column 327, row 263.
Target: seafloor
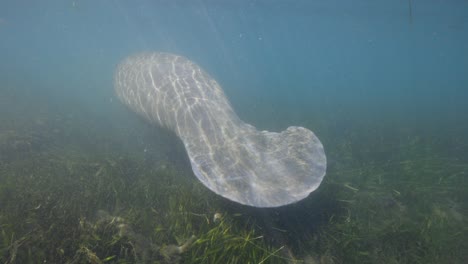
column 78, row 186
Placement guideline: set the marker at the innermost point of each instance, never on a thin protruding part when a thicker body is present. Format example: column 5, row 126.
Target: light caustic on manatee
column 230, row 157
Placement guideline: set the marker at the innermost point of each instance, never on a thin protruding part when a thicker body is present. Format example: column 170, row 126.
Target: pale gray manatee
column 230, row 157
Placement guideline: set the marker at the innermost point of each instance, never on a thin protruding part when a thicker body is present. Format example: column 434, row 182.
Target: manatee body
column 230, row 157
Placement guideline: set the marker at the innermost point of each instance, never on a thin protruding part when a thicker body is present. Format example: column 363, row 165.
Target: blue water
column 326, row 57
column 340, row 68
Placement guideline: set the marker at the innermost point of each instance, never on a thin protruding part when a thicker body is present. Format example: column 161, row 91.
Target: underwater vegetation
column 70, row 194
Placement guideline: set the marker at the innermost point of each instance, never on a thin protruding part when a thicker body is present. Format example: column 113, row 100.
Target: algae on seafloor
column 69, row 193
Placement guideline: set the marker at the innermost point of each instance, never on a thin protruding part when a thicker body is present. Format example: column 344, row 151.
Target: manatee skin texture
column 230, row 157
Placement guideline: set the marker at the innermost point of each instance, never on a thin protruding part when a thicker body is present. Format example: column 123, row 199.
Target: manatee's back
column 169, row 90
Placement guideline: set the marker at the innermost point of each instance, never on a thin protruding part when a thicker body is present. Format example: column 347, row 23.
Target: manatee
column 229, row 156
